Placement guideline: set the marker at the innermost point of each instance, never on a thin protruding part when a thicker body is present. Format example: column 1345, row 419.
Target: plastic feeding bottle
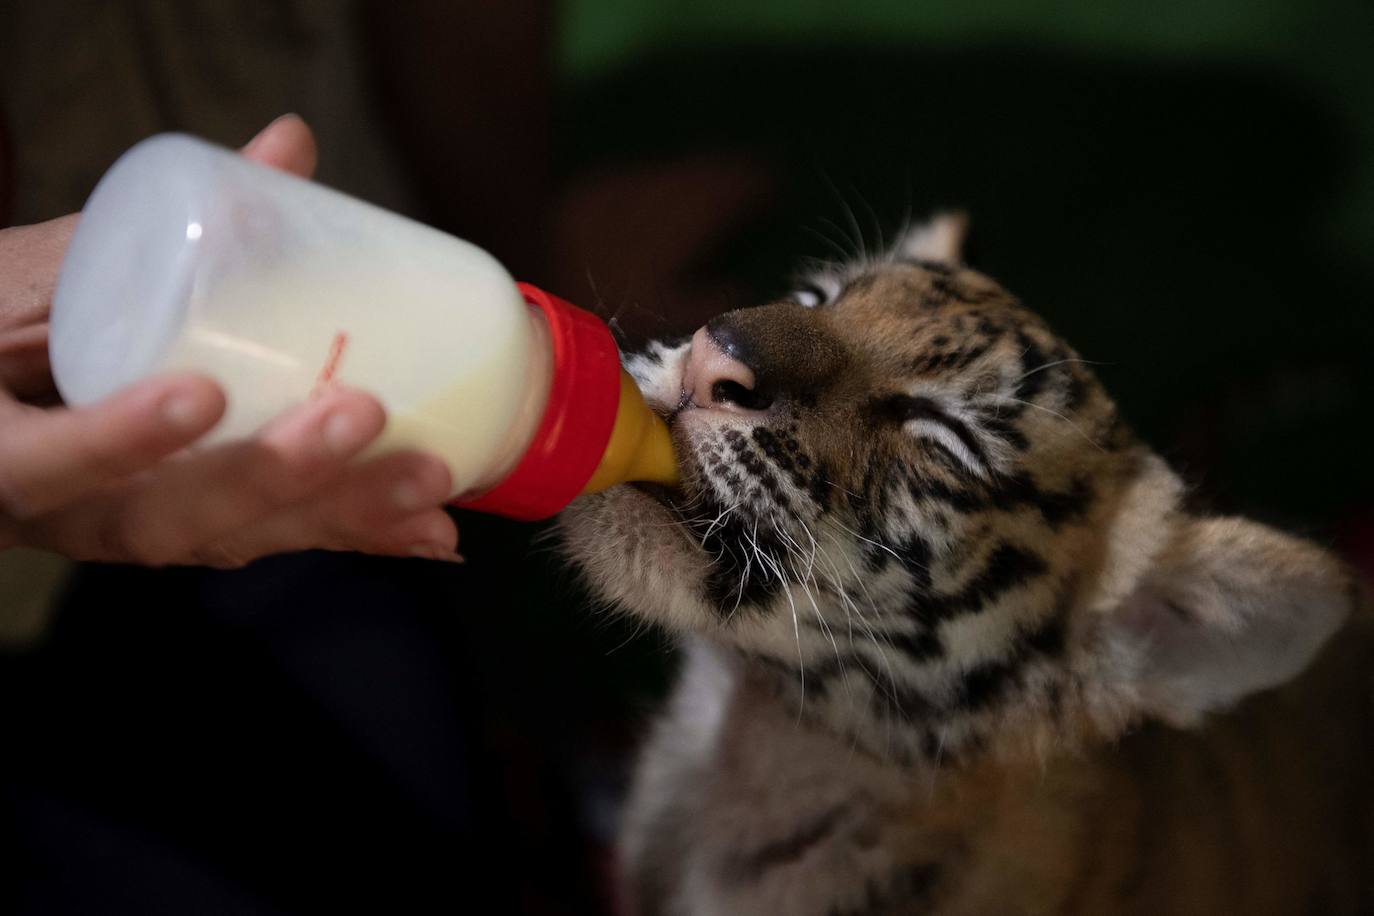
column 190, row 257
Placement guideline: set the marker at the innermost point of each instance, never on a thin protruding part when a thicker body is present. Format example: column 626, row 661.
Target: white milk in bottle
column 190, row 257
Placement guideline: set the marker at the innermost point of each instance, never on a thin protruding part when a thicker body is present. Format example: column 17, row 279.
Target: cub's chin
column 633, row 549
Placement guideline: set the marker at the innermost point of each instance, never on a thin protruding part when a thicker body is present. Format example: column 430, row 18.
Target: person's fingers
column 386, row 490
column 430, row 534
column 50, row 458
column 185, row 504
column 385, row 506
column 169, row 512
column 287, row 143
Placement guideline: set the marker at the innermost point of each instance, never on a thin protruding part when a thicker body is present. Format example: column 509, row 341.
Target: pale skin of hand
column 114, row 482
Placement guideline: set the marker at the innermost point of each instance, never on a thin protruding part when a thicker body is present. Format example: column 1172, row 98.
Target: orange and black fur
column 953, row 643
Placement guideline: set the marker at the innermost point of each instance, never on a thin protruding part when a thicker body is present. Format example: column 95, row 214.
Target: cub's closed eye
column 899, row 408
column 950, row 432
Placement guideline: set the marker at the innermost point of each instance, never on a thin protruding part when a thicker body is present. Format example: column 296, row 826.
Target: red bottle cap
column 577, row 422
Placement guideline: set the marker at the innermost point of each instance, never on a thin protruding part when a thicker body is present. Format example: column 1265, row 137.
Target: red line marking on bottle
column 331, row 364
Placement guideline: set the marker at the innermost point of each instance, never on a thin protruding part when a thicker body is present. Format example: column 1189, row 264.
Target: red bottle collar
column 577, row 421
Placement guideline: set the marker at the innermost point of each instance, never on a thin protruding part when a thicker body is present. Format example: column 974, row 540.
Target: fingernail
column 257, row 138
column 342, row 434
column 186, row 411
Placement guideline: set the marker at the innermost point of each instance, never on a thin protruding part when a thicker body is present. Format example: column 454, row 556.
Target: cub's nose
column 716, row 376
column 753, row 359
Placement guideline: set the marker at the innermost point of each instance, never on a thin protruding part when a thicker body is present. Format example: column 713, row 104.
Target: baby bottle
column 190, row 257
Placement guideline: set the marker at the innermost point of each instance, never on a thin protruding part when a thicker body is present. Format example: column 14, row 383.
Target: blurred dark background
column 1185, row 190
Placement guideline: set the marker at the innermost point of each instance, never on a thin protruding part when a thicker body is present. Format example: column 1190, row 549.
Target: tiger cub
column 952, row 643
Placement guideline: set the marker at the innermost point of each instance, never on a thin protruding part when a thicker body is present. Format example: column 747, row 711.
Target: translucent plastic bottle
column 190, row 257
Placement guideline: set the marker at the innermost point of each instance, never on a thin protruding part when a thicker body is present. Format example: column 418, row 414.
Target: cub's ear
column 1228, row 607
column 940, row 239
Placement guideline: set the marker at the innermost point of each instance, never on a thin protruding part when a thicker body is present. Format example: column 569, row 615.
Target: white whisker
column 1057, row 362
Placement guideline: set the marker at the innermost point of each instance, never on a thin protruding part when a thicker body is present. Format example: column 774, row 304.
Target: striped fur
column 927, row 593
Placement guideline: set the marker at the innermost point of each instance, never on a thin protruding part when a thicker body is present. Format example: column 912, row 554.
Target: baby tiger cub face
column 912, row 509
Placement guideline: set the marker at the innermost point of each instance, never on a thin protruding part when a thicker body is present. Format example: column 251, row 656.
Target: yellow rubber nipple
column 641, row 448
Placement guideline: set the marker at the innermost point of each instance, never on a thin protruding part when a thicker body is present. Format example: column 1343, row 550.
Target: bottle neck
column 579, row 414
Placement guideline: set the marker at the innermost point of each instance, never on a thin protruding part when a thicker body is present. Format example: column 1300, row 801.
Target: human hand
column 113, row 482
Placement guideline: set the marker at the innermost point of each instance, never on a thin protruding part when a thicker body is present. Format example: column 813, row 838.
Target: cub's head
column 913, row 508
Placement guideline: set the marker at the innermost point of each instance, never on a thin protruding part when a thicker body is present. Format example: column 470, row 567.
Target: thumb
column 50, row 458
column 287, row 144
